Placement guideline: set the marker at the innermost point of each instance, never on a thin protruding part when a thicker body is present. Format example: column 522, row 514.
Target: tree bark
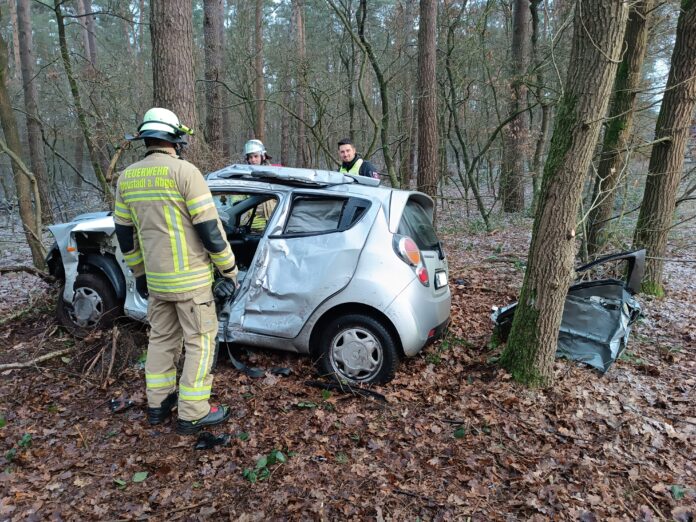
column 171, row 30
column 667, row 157
column 213, row 16
column 428, row 175
column 14, row 22
column 36, row 156
column 81, row 115
column 285, row 121
column 596, row 48
column 30, row 219
column 515, row 134
column 259, row 131
column 298, row 17
column 542, row 97
column 617, row 134
column 100, row 138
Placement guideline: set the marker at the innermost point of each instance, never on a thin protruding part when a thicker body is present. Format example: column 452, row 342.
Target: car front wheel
column 94, row 305
column 358, row 349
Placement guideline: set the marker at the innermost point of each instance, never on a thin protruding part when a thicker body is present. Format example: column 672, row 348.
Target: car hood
column 92, row 221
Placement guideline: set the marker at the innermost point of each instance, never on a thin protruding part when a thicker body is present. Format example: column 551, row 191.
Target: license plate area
column 440, row 279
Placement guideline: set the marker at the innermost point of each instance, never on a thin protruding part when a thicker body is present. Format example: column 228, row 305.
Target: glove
column 141, row 285
column 224, row 288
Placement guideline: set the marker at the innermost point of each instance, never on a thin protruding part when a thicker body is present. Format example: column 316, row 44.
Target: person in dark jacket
column 352, row 163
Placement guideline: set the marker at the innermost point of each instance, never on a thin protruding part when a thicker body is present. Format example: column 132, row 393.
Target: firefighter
column 255, row 153
column 169, row 232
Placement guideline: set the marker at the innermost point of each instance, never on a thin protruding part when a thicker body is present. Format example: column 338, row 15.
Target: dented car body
column 330, row 264
column 598, row 313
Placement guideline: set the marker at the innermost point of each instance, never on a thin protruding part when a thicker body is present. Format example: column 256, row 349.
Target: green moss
column 561, row 140
column 520, row 353
column 687, row 4
column 652, row 288
column 611, row 137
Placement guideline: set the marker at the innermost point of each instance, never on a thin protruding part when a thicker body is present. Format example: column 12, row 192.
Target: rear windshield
column 416, row 224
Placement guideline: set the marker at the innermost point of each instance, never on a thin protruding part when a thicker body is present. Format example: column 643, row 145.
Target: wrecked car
column 331, row 265
column 598, row 313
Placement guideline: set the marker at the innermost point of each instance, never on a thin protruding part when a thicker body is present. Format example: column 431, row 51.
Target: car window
column 249, row 211
column 319, row 214
column 415, row 223
column 311, row 214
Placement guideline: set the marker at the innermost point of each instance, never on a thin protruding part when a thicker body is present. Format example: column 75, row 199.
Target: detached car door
column 311, row 259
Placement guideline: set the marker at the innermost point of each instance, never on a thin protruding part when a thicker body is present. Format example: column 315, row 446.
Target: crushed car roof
column 290, row 175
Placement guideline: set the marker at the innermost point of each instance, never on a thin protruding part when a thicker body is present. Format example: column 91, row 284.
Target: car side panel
column 291, row 277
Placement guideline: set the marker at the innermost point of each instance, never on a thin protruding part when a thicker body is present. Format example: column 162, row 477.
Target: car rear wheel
column 359, row 349
column 94, row 305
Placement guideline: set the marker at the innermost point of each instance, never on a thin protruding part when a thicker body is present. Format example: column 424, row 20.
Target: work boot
column 217, row 415
column 159, row 415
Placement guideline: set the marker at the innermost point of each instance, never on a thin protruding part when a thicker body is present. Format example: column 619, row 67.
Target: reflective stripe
column 152, row 195
column 199, row 204
column 355, row 169
column 222, row 258
column 136, row 222
column 133, row 259
column 197, row 393
column 122, row 211
column 178, row 275
column 177, row 240
column 160, row 380
column 203, row 361
column 191, row 283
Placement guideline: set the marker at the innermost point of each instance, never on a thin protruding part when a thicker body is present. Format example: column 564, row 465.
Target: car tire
column 95, row 305
column 357, row 348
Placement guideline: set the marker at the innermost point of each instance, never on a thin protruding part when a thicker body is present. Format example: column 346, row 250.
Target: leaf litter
column 456, row 437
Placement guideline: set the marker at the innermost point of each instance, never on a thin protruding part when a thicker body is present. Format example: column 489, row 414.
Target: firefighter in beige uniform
column 169, row 232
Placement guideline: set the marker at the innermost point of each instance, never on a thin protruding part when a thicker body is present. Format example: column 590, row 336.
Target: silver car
column 331, row 265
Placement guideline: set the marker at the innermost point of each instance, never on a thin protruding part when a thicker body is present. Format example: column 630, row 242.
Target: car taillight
column 408, row 251
column 422, row 274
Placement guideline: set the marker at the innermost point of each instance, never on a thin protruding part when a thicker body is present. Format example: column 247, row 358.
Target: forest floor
column 456, row 439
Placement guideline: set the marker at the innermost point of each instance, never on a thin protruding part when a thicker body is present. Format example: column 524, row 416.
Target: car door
column 311, row 258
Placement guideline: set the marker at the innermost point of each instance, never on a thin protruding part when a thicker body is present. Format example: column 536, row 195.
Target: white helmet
column 254, row 146
column 162, row 124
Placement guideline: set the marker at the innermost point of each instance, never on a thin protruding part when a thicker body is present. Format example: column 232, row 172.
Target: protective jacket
column 168, row 227
column 359, row 167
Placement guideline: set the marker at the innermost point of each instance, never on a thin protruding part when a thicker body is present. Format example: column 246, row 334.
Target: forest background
column 467, row 101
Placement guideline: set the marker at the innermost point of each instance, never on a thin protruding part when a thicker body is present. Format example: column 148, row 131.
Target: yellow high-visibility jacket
column 168, row 227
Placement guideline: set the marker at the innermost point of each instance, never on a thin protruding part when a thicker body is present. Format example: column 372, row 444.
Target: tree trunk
column 515, row 134
column 259, row 131
column 30, row 219
column 667, row 157
column 542, row 98
column 617, row 134
column 285, row 122
column 212, row 32
column 90, row 33
column 36, row 157
column 100, row 137
column 409, row 126
column 14, row 22
column 171, row 30
column 225, row 95
column 301, row 156
column 427, row 99
column 596, row 48
column 81, row 115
